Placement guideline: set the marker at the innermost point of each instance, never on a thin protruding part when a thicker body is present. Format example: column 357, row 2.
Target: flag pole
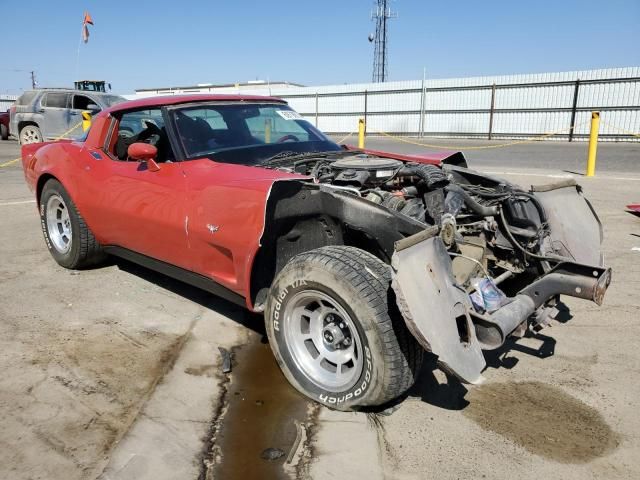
column 78, row 55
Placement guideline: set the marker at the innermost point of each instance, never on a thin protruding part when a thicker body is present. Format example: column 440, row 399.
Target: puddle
column 259, row 414
column 543, row 419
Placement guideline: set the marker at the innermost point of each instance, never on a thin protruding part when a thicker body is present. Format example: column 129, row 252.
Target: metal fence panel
column 508, row 106
column 505, row 106
column 6, row 101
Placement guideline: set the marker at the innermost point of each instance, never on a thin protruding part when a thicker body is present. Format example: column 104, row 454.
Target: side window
column 82, row 102
column 56, row 100
column 142, row 126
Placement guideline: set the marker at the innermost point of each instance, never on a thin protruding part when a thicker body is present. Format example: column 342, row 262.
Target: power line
column 32, row 73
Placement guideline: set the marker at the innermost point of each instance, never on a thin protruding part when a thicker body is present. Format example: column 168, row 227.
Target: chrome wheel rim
column 323, row 341
column 30, row 135
column 58, row 223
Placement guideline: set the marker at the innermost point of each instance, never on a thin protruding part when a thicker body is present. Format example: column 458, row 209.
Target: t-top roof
column 157, row 101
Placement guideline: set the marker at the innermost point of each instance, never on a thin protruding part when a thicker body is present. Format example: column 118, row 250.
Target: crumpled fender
column 434, row 308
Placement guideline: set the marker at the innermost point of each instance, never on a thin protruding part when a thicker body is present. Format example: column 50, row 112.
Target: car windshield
column 245, row 133
column 110, row 100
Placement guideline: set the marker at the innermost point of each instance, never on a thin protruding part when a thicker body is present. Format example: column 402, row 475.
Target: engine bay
column 491, row 228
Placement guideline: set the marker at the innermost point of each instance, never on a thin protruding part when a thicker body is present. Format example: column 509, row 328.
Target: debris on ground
column 271, row 454
column 226, row 360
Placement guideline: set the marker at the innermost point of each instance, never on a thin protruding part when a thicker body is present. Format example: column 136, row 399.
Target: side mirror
column 143, row 152
column 93, row 108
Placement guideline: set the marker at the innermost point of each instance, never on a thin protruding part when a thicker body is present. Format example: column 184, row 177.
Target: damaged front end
column 475, row 258
column 537, row 245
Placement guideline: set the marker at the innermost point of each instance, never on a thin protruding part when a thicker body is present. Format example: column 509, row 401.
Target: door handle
column 41, row 110
column 73, row 113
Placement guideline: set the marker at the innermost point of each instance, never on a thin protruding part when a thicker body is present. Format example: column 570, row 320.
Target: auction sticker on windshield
column 290, row 115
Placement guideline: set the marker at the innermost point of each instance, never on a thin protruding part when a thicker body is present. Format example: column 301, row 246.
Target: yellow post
column 361, row 133
column 593, row 144
column 86, row 120
column 267, row 130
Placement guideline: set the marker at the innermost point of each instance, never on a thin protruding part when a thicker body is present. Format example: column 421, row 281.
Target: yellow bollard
column 361, row 133
column 86, row 120
column 593, row 144
column 267, row 130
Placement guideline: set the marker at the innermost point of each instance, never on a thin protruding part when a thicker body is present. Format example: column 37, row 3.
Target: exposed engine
column 415, row 190
column 488, row 225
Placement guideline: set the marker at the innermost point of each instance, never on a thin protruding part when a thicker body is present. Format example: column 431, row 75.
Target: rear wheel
column 30, row 134
column 69, row 239
column 336, row 332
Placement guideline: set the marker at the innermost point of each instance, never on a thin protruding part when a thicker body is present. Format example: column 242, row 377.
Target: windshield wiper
column 283, row 154
column 289, row 155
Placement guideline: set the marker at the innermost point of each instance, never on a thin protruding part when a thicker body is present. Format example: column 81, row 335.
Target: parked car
column 45, row 114
column 4, row 125
column 360, row 260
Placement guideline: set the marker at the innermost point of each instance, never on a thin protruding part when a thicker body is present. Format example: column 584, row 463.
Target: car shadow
column 443, row 390
column 208, row 300
column 433, row 385
column 439, row 388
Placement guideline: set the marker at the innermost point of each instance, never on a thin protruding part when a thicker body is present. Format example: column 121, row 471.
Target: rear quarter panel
column 58, row 159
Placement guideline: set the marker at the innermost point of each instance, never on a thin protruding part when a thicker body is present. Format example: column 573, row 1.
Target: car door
column 137, row 208
column 54, row 108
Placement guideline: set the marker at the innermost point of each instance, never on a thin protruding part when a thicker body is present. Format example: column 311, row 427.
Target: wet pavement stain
column 543, row 419
column 201, row 371
column 260, row 412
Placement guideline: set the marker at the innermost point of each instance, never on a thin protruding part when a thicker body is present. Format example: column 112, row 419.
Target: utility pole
column 33, row 80
column 381, row 14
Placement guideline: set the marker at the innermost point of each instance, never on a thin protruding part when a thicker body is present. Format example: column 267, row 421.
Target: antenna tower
column 381, row 15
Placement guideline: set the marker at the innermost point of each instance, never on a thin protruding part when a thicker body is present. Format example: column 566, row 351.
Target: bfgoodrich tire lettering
column 358, row 286
column 73, row 244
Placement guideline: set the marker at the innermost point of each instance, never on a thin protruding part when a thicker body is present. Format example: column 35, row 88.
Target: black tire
column 84, row 250
column 359, row 284
column 30, row 134
column 4, row 132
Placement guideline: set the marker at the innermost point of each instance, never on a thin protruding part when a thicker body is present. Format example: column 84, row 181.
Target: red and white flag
column 85, row 26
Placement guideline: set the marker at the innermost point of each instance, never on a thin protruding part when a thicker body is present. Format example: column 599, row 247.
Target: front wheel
column 4, row 132
column 336, row 332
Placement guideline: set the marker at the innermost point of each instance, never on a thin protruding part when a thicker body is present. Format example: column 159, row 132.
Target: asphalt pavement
column 613, row 157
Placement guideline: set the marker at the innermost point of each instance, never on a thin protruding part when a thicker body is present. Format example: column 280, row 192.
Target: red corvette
column 359, row 260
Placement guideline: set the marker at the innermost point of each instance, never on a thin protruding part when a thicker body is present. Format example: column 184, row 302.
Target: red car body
column 170, row 214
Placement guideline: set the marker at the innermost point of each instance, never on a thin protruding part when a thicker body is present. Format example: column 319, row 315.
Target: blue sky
column 138, row 44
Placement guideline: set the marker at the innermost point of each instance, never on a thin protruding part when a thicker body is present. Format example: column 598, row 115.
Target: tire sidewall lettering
column 328, row 398
column 43, row 224
column 280, row 297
